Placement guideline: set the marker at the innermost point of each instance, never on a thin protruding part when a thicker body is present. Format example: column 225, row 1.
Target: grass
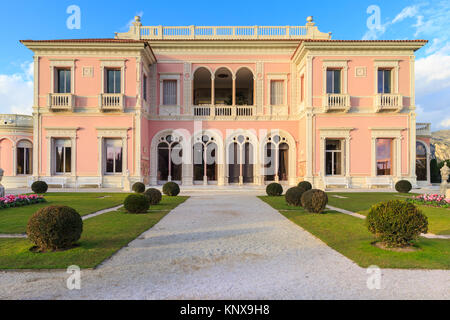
column 349, row 236
column 438, row 218
column 102, row 237
column 14, row 220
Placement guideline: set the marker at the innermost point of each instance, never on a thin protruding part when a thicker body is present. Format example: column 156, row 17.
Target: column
column 212, row 90
column 234, row 91
column 14, row 151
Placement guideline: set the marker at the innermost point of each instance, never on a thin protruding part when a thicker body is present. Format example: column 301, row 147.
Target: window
column 421, row 161
column 63, row 156
column 333, row 157
column 63, row 79
column 170, row 92
column 384, row 157
column 384, row 81
column 113, row 81
column 113, row 156
column 276, row 92
column 333, row 81
column 24, row 152
column 144, row 89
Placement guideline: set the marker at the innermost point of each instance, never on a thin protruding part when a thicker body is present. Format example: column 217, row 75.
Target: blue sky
column 345, row 19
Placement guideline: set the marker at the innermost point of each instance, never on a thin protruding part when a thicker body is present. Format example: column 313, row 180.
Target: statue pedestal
column 447, row 194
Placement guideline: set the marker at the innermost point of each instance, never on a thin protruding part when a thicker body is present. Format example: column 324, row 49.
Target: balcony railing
column 423, row 129
column 60, row 101
column 16, row 120
column 137, row 31
column 388, row 102
column 336, row 102
column 111, row 102
column 222, row 111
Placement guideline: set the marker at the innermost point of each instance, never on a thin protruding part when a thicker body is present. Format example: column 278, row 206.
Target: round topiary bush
column 314, row 200
column 138, row 187
column 396, row 223
column 305, row 185
column 136, row 203
column 171, row 189
column 39, row 187
column 274, row 189
column 54, row 228
column 294, row 196
column 154, row 196
column 403, row 186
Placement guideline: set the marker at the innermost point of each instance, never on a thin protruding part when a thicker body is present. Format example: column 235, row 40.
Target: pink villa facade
column 219, row 106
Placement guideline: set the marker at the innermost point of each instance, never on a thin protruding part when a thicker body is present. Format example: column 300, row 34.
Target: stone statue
column 127, row 182
column 2, row 188
column 445, row 172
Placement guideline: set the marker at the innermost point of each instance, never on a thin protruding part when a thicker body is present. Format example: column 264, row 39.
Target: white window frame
column 277, row 77
column 104, row 156
column 56, row 64
column 113, row 64
column 29, row 146
column 162, row 78
column 335, row 64
column 53, row 133
column 387, row 64
column 112, row 133
column 336, row 133
column 333, row 157
column 389, row 133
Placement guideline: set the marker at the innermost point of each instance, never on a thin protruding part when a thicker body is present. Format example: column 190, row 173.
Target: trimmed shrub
column 171, row 189
column 54, row 228
column 154, row 196
column 305, row 185
column 314, row 200
column 396, row 223
column 39, row 187
column 138, row 187
column 136, row 203
column 403, row 186
column 274, row 189
column 435, row 174
column 294, row 196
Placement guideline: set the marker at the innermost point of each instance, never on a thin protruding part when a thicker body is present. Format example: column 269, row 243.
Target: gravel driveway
column 227, row 246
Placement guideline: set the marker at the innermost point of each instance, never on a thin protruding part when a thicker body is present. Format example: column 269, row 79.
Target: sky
column 400, row 19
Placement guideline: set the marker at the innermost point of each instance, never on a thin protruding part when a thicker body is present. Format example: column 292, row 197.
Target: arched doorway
column 205, row 156
column 244, row 87
column 276, row 159
column 170, row 154
column 241, row 160
column 421, row 161
column 202, row 87
column 223, row 87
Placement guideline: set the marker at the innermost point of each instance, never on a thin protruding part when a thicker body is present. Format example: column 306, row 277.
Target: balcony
column 111, row 102
column 388, row 102
column 60, row 101
column 423, row 129
column 16, row 120
column 336, row 102
column 224, row 111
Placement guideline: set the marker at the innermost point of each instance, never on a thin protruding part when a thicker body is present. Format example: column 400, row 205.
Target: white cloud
column 433, row 72
column 16, row 91
column 445, row 124
column 407, row 12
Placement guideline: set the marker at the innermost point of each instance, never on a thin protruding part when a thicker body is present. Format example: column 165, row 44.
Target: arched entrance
column 422, row 162
column 278, row 157
column 170, row 154
column 241, row 160
column 205, row 159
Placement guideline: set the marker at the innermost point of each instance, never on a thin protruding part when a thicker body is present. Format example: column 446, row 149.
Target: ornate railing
column 336, row 101
column 16, row 120
column 388, row 102
column 423, row 129
column 223, row 111
column 137, row 31
column 111, row 101
column 60, row 101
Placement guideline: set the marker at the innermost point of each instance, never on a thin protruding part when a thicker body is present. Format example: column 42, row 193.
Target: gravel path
column 230, row 246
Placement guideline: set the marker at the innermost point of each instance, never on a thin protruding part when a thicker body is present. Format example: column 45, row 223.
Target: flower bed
column 435, row 200
column 11, row 201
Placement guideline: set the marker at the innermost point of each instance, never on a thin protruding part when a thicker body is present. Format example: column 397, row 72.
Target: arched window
column 24, row 156
column 223, row 87
column 205, row 159
column 244, row 87
column 421, row 161
column 202, row 86
column 170, row 154
column 276, row 159
column 240, row 160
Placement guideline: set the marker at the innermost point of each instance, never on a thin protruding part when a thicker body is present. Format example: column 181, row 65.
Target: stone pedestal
column 2, row 188
column 447, row 194
column 127, row 182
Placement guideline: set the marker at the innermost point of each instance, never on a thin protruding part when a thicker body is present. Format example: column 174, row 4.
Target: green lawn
column 14, row 220
column 438, row 218
column 349, row 236
column 102, row 237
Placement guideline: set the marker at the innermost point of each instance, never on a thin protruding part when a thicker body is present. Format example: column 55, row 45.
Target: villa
column 219, row 105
